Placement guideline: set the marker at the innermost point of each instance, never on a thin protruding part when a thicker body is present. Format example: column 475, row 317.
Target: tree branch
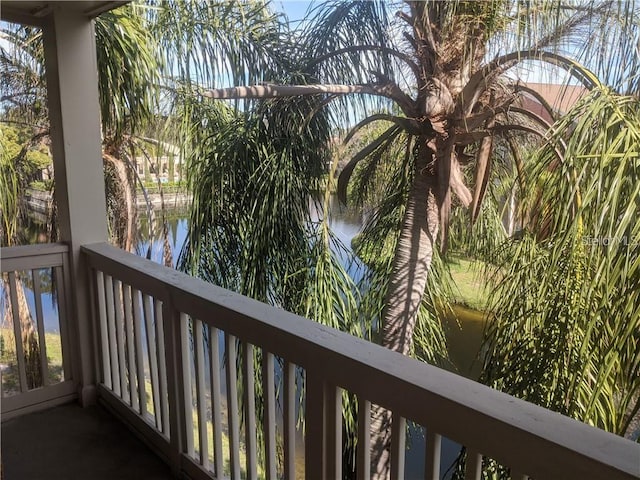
column 277, row 91
column 410, row 126
column 405, row 102
column 479, row 80
column 345, row 175
column 530, row 91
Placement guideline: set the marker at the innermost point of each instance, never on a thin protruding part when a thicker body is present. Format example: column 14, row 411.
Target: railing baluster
column 171, row 323
column 162, row 366
column 200, row 394
column 128, row 323
column 364, row 439
column 111, row 331
column 269, row 399
column 289, row 421
column 187, row 391
column 17, row 332
column 398, row 442
column 433, row 445
column 334, row 431
column 314, row 440
column 63, row 279
column 216, row 400
column 95, row 324
column 37, row 293
column 232, row 405
column 153, row 358
column 137, row 325
column 250, row 412
column 104, row 341
column 117, row 290
column 473, row 467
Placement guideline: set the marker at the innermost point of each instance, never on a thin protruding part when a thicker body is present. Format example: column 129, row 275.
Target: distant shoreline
column 40, row 202
column 175, row 199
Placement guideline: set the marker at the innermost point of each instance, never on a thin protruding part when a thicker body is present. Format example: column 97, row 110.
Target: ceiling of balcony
column 32, row 13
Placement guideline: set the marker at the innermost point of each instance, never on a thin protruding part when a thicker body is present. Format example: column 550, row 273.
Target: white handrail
column 523, row 436
column 32, row 250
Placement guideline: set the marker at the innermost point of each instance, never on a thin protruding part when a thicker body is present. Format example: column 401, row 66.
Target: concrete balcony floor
column 70, row 442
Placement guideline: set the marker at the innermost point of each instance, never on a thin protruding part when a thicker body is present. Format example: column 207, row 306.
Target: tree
column 442, row 66
column 567, row 336
column 128, row 75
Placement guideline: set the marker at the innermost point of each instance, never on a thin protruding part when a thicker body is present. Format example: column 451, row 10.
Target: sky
column 528, row 72
column 294, row 9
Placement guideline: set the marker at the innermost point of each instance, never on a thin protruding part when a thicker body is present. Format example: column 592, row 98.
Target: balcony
column 208, row 380
column 176, row 361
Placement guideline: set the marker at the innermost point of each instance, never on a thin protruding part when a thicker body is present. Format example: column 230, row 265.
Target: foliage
column 9, row 182
column 565, row 318
column 129, row 71
column 22, row 157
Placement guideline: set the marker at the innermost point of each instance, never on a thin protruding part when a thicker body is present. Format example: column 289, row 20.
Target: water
column 464, row 329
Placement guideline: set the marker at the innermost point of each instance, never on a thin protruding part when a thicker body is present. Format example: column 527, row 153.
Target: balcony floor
column 71, row 442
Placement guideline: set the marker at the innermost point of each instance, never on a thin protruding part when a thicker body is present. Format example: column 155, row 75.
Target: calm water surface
column 464, row 329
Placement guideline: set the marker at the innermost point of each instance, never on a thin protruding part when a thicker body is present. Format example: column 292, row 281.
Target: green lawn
column 8, row 358
column 471, row 289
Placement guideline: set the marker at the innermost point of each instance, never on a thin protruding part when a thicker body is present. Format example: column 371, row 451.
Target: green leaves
column 565, row 324
column 219, row 43
column 9, row 201
column 129, row 70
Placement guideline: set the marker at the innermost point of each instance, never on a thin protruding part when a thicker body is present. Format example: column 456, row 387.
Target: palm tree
column 451, row 111
column 434, row 75
column 128, row 75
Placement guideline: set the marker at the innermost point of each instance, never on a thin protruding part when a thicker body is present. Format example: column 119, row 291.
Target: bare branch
column 382, row 141
column 389, row 91
column 483, row 169
column 404, row 101
column 530, row 91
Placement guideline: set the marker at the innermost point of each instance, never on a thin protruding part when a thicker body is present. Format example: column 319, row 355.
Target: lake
column 464, row 329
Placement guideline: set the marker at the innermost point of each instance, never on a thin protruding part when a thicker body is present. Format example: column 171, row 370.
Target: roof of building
column 560, row 97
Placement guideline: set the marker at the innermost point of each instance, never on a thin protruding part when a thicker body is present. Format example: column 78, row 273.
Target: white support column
column 72, row 86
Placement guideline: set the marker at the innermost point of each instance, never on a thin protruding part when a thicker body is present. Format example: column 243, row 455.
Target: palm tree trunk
column 411, row 264
column 128, row 208
column 30, row 340
column 406, row 287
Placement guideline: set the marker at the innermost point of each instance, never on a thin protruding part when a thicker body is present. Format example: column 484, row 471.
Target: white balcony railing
column 177, row 360
column 35, row 347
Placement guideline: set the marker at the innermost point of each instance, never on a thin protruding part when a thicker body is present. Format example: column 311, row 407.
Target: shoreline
column 40, row 202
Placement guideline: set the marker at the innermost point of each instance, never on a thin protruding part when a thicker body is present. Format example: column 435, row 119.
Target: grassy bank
column 471, row 289
column 8, row 359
